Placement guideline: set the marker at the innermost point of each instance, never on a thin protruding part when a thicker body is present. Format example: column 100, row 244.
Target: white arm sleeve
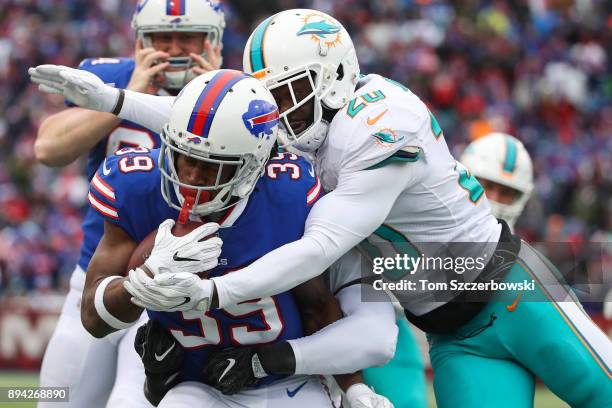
column 336, row 223
column 150, row 111
column 366, row 337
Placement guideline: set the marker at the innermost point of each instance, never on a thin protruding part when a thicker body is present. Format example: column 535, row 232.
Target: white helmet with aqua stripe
column 305, row 45
column 502, row 159
column 228, row 120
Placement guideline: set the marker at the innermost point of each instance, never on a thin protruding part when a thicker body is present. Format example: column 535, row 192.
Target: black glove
column 162, row 358
column 231, row 370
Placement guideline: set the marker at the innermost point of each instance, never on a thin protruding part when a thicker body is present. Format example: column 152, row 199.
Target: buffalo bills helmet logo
column 194, row 139
column 261, row 117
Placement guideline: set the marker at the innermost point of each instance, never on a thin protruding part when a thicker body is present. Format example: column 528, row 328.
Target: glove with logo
column 186, row 253
column 80, row 87
column 231, row 370
column 161, row 356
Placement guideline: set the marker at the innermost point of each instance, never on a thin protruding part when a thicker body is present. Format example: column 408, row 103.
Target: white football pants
column 99, row 372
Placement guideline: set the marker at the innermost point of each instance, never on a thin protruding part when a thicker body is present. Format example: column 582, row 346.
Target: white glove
column 169, row 292
column 362, row 396
column 80, row 87
column 186, row 253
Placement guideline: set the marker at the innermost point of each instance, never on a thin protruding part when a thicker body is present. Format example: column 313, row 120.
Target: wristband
column 104, row 314
column 119, row 103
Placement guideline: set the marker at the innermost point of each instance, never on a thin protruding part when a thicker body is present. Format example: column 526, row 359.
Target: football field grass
column 544, row 398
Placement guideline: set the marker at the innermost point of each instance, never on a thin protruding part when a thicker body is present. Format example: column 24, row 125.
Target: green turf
column 18, row 379
column 544, row 398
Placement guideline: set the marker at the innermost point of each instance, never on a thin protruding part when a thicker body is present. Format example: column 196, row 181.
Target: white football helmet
column 200, row 16
column 223, row 118
column 301, row 43
column 502, row 159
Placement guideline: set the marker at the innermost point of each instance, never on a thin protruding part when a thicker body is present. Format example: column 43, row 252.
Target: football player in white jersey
column 383, row 157
column 503, row 167
column 176, row 40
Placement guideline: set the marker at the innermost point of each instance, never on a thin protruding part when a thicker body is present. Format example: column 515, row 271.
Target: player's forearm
column 368, row 330
column 67, row 135
column 337, row 222
column 117, row 303
column 301, row 260
column 150, row 111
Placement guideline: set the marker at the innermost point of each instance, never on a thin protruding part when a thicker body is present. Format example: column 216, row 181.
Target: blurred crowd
column 537, row 69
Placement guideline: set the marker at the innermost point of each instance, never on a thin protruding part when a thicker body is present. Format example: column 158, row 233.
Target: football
column 144, row 248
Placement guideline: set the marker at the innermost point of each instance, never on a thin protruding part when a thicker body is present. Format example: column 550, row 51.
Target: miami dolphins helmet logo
column 321, row 29
column 387, row 137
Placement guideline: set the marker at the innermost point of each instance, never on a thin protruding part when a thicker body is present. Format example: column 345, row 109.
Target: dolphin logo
column 386, row 137
column 319, row 28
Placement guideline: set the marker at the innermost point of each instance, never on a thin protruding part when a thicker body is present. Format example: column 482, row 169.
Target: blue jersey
column 126, row 191
column 115, row 71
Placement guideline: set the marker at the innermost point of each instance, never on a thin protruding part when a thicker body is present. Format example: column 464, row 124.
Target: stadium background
column 537, row 69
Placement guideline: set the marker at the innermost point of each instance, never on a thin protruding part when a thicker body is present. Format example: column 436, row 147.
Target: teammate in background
column 176, row 40
column 503, row 167
column 392, row 182
column 214, row 151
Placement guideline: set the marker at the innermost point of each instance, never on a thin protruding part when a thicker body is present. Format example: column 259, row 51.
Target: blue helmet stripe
column 257, row 57
column 510, row 161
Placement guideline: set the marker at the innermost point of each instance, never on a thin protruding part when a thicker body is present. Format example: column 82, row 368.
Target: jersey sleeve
column 114, row 190
column 391, row 129
column 113, row 71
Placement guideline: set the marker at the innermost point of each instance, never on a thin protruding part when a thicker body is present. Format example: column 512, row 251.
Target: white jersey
column 397, row 125
column 441, row 201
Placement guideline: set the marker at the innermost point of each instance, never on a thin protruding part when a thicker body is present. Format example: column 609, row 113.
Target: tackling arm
column 86, row 90
column 146, row 110
column 368, row 331
column 110, row 259
column 337, row 222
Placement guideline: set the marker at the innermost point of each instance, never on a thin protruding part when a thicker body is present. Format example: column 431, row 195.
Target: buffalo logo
column 194, row 139
column 176, row 20
column 261, row 117
column 321, row 29
column 387, row 137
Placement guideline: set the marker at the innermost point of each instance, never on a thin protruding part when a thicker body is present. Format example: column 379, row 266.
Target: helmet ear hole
column 340, row 72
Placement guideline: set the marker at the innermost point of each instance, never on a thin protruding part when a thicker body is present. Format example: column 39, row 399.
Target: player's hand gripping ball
column 178, row 262
column 208, row 236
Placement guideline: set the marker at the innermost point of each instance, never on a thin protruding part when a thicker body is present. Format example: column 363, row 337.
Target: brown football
column 144, row 248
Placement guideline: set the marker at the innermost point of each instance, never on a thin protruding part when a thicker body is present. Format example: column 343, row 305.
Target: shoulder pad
column 293, row 177
column 115, row 71
column 128, row 173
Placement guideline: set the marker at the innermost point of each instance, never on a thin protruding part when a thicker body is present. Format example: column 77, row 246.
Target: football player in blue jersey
column 383, row 157
column 176, row 40
column 213, row 165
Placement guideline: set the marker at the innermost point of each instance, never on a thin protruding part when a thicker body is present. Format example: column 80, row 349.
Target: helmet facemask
column 313, row 134
column 198, row 200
